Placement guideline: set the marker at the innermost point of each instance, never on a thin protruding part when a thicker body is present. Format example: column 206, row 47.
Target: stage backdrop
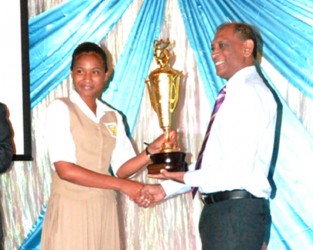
column 128, row 29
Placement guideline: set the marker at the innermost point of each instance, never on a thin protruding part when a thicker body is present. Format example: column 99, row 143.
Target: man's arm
column 6, row 145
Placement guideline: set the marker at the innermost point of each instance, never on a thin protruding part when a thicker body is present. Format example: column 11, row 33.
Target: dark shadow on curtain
column 258, row 41
column 277, row 134
column 259, row 45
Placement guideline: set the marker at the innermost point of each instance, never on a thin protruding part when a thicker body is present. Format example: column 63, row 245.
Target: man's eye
column 222, row 45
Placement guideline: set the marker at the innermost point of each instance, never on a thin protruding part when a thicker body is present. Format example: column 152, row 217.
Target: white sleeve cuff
column 172, row 188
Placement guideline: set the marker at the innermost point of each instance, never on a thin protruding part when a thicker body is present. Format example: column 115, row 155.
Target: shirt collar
column 101, row 107
column 240, row 75
column 243, row 73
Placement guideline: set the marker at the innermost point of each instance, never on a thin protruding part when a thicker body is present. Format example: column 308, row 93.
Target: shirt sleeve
column 123, row 150
column 172, row 188
column 59, row 139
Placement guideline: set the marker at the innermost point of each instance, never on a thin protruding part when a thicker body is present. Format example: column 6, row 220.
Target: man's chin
column 220, row 72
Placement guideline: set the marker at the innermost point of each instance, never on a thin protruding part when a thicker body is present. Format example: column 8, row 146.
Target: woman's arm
column 141, row 160
column 85, row 177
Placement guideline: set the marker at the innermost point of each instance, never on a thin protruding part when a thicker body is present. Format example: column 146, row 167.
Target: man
column 233, row 175
column 6, row 150
column 6, row 145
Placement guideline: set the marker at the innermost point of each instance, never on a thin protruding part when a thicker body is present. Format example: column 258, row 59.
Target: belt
column 226, row 195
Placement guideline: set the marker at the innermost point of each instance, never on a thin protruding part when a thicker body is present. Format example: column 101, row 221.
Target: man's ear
column 107, row 76
column 248, row 46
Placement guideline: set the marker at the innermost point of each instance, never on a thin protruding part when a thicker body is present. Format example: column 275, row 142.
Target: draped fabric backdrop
column 127, row 28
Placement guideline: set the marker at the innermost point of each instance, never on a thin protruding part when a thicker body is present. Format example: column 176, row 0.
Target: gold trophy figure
column 163, row 88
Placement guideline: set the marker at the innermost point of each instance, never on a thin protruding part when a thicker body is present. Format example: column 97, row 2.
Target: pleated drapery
column 128, row 28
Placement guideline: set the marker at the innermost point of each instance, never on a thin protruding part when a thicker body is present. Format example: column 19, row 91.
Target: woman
column 86, row 142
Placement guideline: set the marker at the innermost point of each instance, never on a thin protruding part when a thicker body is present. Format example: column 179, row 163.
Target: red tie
column 219, row 100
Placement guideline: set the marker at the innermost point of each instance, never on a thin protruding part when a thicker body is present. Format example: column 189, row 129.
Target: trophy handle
column 174, row 90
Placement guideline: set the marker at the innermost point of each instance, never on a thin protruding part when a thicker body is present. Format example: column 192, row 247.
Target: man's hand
column 164, row 174
column 149, row 195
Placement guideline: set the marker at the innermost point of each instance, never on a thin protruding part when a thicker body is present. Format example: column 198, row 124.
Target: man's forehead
column 224, row 34
column 225, row 30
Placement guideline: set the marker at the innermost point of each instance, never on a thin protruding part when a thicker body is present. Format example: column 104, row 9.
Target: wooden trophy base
column 171, row 161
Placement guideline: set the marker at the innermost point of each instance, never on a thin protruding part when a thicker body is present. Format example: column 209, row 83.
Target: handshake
column 147, row 195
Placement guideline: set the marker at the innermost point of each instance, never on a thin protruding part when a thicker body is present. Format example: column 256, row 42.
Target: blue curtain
column 126, row 88
column 286, row 27
column 54, row 35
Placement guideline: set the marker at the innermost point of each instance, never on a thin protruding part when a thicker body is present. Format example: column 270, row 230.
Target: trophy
column 163, row 89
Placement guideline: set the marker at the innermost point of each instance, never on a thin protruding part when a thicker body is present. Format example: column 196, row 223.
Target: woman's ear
column 248, row 47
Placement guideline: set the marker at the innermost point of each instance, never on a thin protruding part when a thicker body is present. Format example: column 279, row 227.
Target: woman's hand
column 133, row 190
column 164, row 174
column 157, row 144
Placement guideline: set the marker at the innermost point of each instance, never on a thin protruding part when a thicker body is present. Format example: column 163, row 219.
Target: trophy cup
column 163, row 89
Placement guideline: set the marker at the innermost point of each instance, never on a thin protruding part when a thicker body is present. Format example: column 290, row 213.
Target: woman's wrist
column 150, row 149
column 148, row 153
